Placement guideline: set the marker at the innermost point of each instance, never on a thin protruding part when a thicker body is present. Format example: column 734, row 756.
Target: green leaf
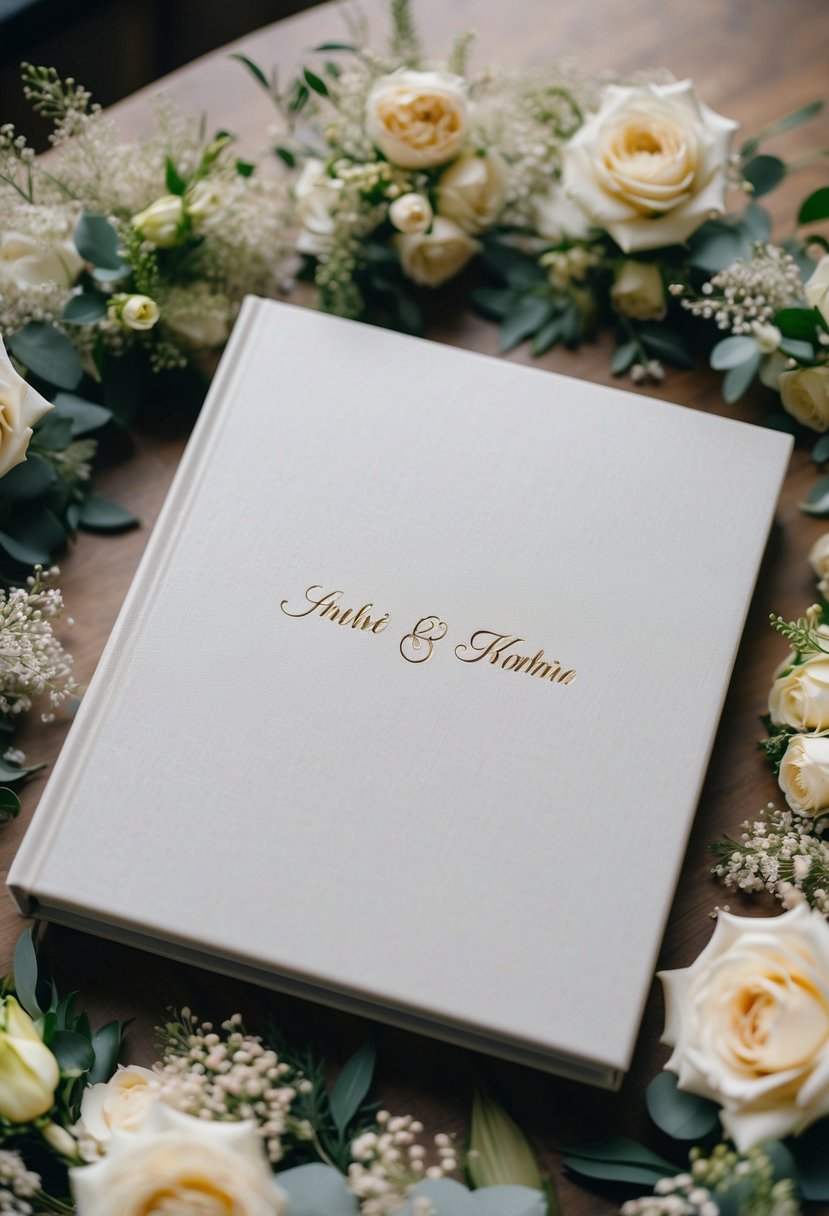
column 124, row 379
column 176, row 184
column 9, row 805
column 781, row 421
column 529, row 315
column 514, row 267
column 97, row 242
column 756, row 222
column 617, row 1171
column 73, row 1052
column 24, row 553
column 763, row 173
column 737, row 379
column 510, row 1201
column 352, row 1085
column 25, row 972
column 817, row 500
column 29, row 479
column 84, row 415
column 546, row 337
column 815, row 207
column 300, row 97
column 287, row 156
column 811, row 1153
column 48, row 354
column 731, row 352
column 315, row 1189
column 714, row 246
column 798, row 323
column 245, row 168
column 337, row 46
column 623, row 358
column 106, row 1044
column 499, row 1152
column 38, row 528
column 801, row 115
column 493, row 302
column 795, row 349
column 681, row 1115
column 255, row 71
column 98, row 514
column 820, row 452
column 315, row 82
column 85, row 309
column 665, row 344
column 53, row 434
column 10, row 774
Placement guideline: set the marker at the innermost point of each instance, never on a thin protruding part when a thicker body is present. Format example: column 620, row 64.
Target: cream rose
column 749, row 1023
column 197, row 319
column 799, row 696
column 417, row 119
column 28, row 262
column 650, row 166
column 804, row 774
column 178, row 1163
column 162, row 223
column 136, row 312
column 557, row 218
column 20, row 408
column 638, row 291
column 315, row 193
column 411, row 213
column 431, row 258
column 819, row 556
column 29, row 1073
column 121, row 1104
column 472, row 190
column 805, row 394
column 817, row 287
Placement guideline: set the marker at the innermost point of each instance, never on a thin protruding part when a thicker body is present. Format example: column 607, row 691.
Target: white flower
column 26, row 261
column 557, row 218
column 417, row 119
column 162, row 223
column 197, row 319
column 638, row 291
column 20, row 407
column 819, row 556
column 804, row 774
column 315, row 193
column 650, row 166
column 799, row 696
column 817, row 287
column 430, row 258
column 136, row 312
column 177, row 1163
column 473, row 189
column 29, row 1073
column 119, row 1105
column 411, row 213
column 767, row 336
column 749, row 1024
column 805, row 394
column 203, row 199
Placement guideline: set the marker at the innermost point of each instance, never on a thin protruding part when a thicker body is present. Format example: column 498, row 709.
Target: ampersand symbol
column 417, row 646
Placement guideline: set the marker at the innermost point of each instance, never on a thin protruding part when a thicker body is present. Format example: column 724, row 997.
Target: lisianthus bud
column 29, row 1073
column 411, row 213
column 134, row 312
column 162, row 223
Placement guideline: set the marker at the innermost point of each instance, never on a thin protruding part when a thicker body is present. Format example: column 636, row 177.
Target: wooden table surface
column 753, row 60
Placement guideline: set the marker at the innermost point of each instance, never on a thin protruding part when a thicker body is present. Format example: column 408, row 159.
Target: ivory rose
column 411, row 213
column 804, row 774
column 417, row 119
column 138, row 312
column 27, row 262
column 650, row 166
column 799, row 696
column 805, row 394
column 179, row 1163
column 162, row 223
column 29, row 1073
column 430, row 258
column 315, row 193
column 558, row 218
column 20, row 407
column 120, row 1104
column 472, row 190
column 749, row 1023
column 816, row 289
column 199, row 320
column 638, row 292
column 819, row 556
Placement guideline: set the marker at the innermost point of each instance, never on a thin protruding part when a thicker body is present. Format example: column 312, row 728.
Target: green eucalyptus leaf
column 616, row 1171
column 517, row 269
column 106, row 1043
column 73, row 1052
column 99, row 514
column 815, row 207
column 820, row 452
column 547, row 337
column 47, row 353
column 29, row 479
column 714, row 246
column 737, row 379
column 665, row 344
column 681, row 1115
column 84, row 416
column 799, row 323
column 510, row 1201
column 85, row 309
column 817, row 500
column 571, row 326
column 352, row 1085
column 763, row 173
column 620, row 1150
column 9, row 804
column 317, row 1190
column 731, row 352
column 24, row 553
column 53, row 433
column 801, row 115
column 623, row 358
column 796, row 349
column 97, row 242
column 25, row 972
column 493, row 302
column 756, row 222
column 528, row 316
column 10, row 774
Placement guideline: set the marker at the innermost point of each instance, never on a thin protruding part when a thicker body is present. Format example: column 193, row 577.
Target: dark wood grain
column 753, row 60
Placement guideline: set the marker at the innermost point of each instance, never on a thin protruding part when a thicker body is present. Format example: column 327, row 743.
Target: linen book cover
column 410, row 703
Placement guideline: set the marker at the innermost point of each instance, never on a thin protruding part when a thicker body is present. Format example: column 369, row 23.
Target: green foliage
column 618, row 1159
column 48, row 354
column 802, row 634
column 405, row 42
column 681, row 1115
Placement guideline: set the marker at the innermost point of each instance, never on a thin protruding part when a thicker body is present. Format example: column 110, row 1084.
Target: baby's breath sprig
column 782, row 853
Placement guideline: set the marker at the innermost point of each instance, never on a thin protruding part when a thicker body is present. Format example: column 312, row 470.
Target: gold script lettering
column 326, row 603
column 486, row 644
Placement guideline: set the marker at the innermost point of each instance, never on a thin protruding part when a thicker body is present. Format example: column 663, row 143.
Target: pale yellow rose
column 817, row 288
column 28, row 262
column 29, row 1073
column 819, row 556
column 805, row 394
column 120, row 1104
column 430, row 258
column 162, row 223
column 749, row 1024
column 651, row 165
column 804, row 774
column 177, row 1163
column 411, row 213
column 638, row 291
column 20, row 407
column 138, row 312
column 799, row 696
column 417, row 119
column 315, row 194
column 472, row 190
